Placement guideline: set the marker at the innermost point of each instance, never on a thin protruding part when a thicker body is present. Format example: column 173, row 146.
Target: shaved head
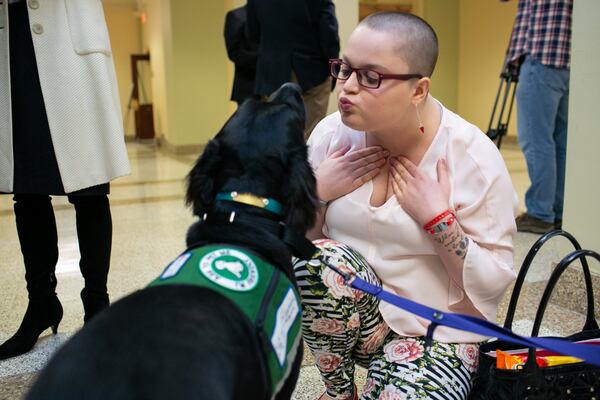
column 417, row 42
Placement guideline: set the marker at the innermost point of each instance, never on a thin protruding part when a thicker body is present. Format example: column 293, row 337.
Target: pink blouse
column 400, row 251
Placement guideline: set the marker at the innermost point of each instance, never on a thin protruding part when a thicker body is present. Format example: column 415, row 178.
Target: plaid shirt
column 542, row 30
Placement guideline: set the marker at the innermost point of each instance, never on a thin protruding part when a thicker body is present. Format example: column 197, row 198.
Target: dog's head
column 260, row 150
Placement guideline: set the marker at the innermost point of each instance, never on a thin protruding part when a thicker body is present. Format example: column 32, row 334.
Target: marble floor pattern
column 150, row 222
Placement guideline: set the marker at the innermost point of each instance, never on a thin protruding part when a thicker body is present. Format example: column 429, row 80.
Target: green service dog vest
column 264, row 294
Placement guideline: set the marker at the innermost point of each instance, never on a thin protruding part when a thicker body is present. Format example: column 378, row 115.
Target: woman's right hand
column 345, row 171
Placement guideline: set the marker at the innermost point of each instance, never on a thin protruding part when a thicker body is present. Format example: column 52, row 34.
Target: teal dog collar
column 248, row 198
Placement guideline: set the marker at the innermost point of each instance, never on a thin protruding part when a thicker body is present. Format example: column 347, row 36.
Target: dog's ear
column 200, row 181
column 302, row 200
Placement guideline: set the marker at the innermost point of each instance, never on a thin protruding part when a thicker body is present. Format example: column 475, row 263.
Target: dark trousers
column 36, row 227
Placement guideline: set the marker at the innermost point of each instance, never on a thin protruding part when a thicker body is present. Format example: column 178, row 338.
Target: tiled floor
column 150, row 222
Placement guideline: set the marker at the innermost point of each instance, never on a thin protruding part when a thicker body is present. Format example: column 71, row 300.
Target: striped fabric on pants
column 343, row 327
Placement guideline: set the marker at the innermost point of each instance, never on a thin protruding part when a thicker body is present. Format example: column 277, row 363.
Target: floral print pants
column 343, row 327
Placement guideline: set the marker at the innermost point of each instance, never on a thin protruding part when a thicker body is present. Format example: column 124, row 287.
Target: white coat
column 79, row 88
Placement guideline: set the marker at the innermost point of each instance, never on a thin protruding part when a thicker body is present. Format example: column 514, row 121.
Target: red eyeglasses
column 366, row 77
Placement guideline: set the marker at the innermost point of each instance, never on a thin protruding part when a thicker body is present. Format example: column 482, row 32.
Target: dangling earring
column 421, row 126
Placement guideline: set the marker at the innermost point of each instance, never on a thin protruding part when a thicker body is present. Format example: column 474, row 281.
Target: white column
column 582, row 192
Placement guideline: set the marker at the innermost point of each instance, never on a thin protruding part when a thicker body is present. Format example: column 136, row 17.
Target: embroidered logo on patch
column 230, row 269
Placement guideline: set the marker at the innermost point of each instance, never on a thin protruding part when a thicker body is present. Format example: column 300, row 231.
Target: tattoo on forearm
column 462, row 248
column 454, row 242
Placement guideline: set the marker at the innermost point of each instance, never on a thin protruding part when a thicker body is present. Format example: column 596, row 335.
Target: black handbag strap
column 510, row 314
column 590, row 321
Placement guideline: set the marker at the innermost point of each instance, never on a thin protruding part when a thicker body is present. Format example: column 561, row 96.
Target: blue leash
column 589, row 353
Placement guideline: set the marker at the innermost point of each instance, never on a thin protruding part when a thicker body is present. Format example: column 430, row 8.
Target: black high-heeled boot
column 94, row 233
column 41, row 314
column 93, row 303
column 36, row 228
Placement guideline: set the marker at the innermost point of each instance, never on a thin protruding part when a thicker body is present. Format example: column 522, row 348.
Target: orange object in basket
column 506, row 360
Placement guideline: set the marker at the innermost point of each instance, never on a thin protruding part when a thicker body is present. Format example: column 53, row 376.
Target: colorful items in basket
column 516, row 359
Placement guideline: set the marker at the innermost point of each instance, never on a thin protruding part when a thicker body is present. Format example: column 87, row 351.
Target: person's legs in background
column 36, row 228
column 316, row 101
column 539, row 95
column 94, row 233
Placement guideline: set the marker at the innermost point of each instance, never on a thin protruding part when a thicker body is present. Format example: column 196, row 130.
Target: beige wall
column 484, row 33
column 347, row 15
column 346, row 12
column 582, row 193
column 190, row 73
column 125, row 35
column 156, row 40
column 200, row 71
column 443, row 15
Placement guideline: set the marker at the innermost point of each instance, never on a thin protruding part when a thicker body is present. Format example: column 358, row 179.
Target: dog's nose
column 287, row 93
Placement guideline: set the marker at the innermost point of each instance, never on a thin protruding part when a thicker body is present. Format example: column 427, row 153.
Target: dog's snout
column 289, row 93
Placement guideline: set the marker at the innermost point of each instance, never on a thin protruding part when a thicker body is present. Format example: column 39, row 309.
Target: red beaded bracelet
column 442, row 226
column 437, row 219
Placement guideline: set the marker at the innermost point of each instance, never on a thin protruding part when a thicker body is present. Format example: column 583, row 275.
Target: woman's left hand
column 420, row 196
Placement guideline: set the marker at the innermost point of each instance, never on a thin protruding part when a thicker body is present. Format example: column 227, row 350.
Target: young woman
column 414, row 198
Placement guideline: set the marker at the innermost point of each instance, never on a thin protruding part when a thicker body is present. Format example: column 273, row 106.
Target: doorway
column 140, row 99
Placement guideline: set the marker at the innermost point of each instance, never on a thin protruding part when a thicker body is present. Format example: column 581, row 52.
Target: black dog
column 182, row 341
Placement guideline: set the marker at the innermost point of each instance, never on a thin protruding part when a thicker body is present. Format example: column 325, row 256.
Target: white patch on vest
column 175, row 266
column 286, row 315
column 237, row 272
